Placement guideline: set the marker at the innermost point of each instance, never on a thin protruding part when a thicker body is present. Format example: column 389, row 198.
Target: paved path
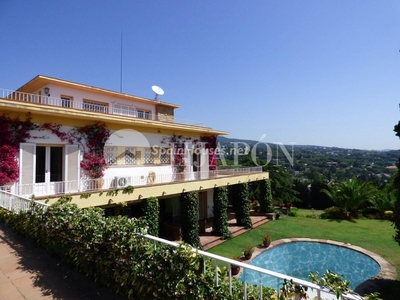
column 28, row 272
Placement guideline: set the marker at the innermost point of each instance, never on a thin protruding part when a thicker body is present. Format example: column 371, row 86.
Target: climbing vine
column 95, row 137
column 150, row 213
column 179, row 141
column 211, row 147
column 190, row 224
column 239, row 194
column 265, row 196
column 220, row 222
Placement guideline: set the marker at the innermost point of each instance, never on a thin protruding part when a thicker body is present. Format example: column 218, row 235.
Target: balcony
column 157, row 185
column 113, row 108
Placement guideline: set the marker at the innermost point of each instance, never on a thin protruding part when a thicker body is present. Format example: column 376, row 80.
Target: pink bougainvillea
column 95, row 137
column 178, row 142
column 14, row 131
column 211, row 146
column 9, row 170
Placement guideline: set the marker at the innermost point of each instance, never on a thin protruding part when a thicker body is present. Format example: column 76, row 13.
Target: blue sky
column 317, row 72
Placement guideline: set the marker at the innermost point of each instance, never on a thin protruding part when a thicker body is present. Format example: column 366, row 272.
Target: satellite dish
column 157, row 90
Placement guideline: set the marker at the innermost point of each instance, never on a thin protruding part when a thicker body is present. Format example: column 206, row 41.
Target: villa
column 85, row 140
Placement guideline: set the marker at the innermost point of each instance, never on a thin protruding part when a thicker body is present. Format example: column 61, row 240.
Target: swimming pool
column 298, row 259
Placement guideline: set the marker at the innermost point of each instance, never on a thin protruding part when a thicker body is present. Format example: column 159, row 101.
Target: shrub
column 293, row 212
column 266, row 239
column 370, row 212
column 334, row 213
column 388, row 215
column 254, row 205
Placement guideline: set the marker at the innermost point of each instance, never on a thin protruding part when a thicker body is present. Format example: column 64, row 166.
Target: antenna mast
column 120, row 81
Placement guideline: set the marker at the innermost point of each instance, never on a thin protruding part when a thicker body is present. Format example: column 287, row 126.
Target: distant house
column 147, row 148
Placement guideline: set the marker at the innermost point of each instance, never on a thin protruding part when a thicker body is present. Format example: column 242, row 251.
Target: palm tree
column 351, row 194
column 384, row 201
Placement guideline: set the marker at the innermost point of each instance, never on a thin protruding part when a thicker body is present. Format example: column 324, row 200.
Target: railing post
column 230, row 281
column 216, row 272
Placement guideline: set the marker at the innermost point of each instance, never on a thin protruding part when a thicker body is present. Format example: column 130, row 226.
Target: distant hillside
column 311, row 161
column 224, row 141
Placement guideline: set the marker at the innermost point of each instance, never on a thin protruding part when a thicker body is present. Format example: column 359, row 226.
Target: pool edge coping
column 387, row 271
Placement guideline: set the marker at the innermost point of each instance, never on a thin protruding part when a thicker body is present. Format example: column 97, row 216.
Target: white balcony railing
column 17, row 203
column 314, row 291
column 86, row 185
column 106, row 108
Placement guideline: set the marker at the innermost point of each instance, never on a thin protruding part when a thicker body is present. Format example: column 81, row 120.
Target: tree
column 351, row 194
column 281, row 184
column 396, row 185
column 318, row 199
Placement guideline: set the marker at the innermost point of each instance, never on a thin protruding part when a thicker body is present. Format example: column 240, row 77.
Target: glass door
column 49, row 169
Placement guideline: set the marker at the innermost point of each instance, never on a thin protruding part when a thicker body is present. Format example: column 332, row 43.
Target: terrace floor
column 27, row 272
column 208, row 240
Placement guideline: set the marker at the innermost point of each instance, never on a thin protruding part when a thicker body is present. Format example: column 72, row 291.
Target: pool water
column 300, row 258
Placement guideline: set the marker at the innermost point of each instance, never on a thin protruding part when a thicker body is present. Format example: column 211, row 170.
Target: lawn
column 374, row 235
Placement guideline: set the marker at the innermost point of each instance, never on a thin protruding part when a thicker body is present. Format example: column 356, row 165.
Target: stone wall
column 165, row 113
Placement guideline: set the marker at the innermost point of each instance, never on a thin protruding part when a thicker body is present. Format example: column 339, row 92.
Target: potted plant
column 266, row 239
column 235, row 269
column 248, row 252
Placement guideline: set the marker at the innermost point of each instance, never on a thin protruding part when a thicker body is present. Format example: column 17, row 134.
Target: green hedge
column 109, row 251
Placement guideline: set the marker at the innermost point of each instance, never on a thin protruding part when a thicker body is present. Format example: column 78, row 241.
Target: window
column 94, row 106
column 143, row 114
column 148, row 156
column 130, row 158
column 123, row 109
column 111, row 155
column 66, row 101
column 165, row 156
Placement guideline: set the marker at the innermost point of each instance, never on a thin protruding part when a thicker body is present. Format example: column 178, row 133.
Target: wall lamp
column 47, row 91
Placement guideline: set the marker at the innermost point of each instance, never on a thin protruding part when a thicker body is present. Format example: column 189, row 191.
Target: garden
column 373, row 235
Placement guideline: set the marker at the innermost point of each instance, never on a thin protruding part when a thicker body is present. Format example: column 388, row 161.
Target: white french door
column 49, row 170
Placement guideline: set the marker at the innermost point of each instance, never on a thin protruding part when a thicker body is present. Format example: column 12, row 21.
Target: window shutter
column 72, row 168
column 27, row 167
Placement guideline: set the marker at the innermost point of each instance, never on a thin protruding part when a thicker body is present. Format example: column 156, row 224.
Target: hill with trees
column 300, row 173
